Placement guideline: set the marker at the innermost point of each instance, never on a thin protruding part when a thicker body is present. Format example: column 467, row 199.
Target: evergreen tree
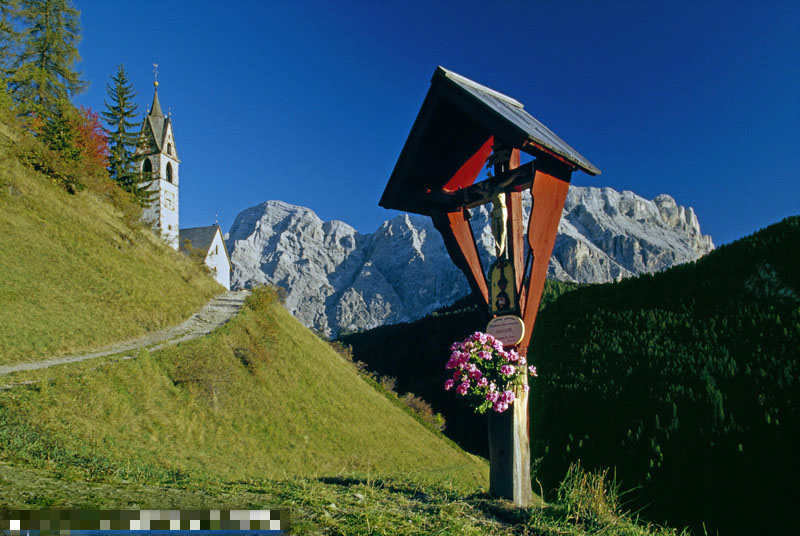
column 44, row 75
column 122, row 132
column 9, row 36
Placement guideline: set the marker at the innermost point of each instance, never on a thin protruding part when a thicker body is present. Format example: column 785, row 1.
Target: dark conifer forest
column 684, row 383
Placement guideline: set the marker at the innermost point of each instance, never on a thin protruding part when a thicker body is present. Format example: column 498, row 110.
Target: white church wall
column 217, row 260
column 173, row 173
column 151, row 214
column 169, row 213
column 162, row 213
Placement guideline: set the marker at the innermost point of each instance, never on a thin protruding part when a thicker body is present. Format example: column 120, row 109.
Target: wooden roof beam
column 482, row 192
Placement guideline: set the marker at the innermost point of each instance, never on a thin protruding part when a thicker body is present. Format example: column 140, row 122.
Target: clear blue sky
column 311, row 102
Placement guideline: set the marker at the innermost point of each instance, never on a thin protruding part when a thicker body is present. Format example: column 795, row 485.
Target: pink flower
column 448, row 385
column 508, row 396
column 480, row 337
column 475, row 374
column 507, row 370
column 500, row 407
column 532, row 370
column 462, row 387
column 492, row 387
column 522, row 361
column 492, row 396
column 483, row 382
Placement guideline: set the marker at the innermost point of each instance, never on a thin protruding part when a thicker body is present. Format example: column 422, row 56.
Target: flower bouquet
column 485, row 373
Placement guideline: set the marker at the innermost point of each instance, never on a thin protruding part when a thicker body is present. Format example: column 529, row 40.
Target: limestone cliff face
column 340, row 280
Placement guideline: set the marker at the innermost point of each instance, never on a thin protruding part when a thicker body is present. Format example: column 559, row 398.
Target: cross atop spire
column 155, row 108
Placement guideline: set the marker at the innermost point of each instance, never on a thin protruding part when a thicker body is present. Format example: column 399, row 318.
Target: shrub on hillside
column 261, row 297
column 48, row 162
column 423, row 410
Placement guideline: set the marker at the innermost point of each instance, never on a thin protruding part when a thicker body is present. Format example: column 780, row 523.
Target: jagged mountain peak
column 340, row 280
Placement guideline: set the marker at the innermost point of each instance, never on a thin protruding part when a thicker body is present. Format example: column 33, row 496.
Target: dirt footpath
column 214, row 314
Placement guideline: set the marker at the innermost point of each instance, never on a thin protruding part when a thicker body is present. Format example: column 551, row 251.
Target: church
column 159, row 163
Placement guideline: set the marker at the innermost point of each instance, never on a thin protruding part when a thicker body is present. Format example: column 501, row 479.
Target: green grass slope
column 262, row 414
column 261, row 397
column 73, row 274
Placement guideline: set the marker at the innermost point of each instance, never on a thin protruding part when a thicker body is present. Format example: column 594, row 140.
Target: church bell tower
column 158, row 161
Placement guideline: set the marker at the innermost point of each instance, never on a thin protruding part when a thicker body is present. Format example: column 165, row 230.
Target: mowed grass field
column 74, row 275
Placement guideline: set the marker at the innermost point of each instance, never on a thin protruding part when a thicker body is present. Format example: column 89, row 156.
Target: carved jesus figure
column 498, row 222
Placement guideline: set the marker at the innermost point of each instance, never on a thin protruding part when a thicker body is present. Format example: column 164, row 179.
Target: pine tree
column 122, row 136
column 9, row 36
column 43, row 77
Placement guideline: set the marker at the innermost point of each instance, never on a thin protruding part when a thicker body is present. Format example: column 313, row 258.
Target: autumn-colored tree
column 91, row 139
column 76, row 135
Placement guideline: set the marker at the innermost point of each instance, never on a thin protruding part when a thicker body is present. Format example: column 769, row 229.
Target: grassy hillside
column 260, row 398
column 262, row 413
column 73, row 273
column 685, row 382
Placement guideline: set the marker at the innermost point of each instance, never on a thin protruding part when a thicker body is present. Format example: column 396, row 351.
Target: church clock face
column 169, row 201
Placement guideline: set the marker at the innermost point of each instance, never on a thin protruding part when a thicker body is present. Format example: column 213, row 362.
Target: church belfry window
column 147, row 166
column 169, row 172
column 169, row 148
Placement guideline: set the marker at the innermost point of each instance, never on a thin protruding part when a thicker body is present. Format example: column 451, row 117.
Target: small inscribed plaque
column 507, row 329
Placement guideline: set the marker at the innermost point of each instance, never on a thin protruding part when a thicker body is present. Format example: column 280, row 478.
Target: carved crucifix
column 460, row 127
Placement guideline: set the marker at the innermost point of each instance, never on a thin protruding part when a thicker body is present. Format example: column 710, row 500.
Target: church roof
column 157, row 121
column 200, row 238
column 159, row 125
column 155, row 108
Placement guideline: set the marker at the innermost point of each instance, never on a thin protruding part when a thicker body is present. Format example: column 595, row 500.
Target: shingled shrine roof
column 453, row 135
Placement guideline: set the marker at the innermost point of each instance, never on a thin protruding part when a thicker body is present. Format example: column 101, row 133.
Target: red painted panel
column 469, row 171
column 549, row 192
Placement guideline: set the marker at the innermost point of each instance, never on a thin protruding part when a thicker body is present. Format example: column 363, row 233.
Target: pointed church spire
column 155, row 108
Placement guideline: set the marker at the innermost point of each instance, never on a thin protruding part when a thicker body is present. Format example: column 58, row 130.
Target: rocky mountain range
column 339, row 280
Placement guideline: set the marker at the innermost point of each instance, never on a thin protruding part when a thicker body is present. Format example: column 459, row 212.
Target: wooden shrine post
column 463, row 125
